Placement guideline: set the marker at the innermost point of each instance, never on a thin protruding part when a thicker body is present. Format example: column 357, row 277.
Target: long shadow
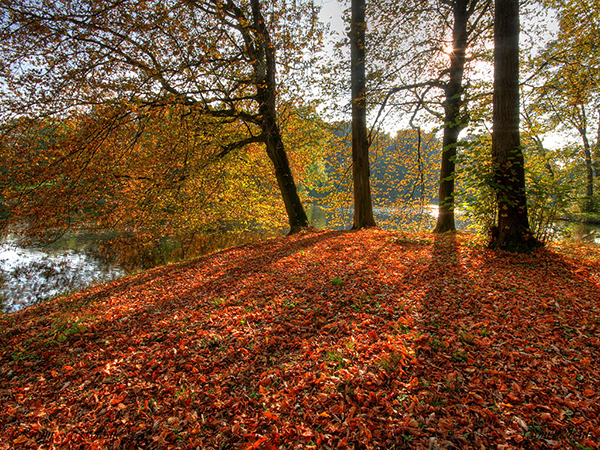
column 499, row 331
column 191, row 341
column 208, row 352
column 270, row 251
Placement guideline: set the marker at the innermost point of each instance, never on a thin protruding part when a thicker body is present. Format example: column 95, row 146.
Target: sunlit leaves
column 566, row 90
column 420, row 339
column 404, row 172
column 125, row 168
column 161, row 96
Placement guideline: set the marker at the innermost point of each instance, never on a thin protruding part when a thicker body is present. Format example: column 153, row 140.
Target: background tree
column 425, row 53
column 156, row 172
column 455, row 117
column 567, row 89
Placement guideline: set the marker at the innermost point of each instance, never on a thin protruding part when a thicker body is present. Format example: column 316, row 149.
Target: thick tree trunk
column 452, row 118
column 512, row 232
column 363, row 207
column 293, row 206
column 265, row 69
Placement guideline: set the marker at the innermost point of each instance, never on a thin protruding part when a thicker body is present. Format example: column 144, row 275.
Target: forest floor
column 364, row 340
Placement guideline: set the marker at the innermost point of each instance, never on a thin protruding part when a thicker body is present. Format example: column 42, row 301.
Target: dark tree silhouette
column 363, row 206
column 512, row 232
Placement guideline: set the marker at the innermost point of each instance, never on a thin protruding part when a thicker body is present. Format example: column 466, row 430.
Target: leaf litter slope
column 367, row 339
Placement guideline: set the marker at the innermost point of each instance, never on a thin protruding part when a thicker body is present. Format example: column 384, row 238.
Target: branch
column 239, row 144
column 428, row 84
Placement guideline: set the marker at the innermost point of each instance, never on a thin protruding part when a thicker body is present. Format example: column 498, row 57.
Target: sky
column 538, row 26
column 331, row 12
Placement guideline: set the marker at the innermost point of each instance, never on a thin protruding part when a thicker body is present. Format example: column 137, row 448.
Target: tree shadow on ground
column 329, row 339
column 502, row 329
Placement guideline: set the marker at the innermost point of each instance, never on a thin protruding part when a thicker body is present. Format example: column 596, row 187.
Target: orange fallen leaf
column 20, row 439
column 589, row 392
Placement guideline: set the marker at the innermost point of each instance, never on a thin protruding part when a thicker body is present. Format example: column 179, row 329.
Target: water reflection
column 406, row 219
column 30, row 275
column 577, row 232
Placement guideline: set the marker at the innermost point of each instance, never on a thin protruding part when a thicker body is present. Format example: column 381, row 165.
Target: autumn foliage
column 367, row 339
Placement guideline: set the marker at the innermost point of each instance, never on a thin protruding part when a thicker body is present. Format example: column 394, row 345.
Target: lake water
column 30, row 275
column 33, row 274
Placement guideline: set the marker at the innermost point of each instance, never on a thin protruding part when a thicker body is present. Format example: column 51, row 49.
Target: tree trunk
column 453, row 123
column 588, row 205
column 266, row 85
column 297, row 218
column 512, row 232
column 589, row 175
column 596, row 152
column 363, row 207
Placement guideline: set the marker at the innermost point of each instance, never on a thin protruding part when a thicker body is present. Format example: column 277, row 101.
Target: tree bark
column 363, row 207
column 512, row 232
column 597, row 150
column 297, row 218
column 588, row 205
column 266, row 85
column 453, row 123
column 589, row 175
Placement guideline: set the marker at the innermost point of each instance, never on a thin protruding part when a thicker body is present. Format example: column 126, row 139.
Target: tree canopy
column 210, row 59
column 207, row 114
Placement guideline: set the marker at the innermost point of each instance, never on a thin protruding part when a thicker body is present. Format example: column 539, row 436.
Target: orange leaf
column 270, row 415
column 116, row 400
column 21, row 439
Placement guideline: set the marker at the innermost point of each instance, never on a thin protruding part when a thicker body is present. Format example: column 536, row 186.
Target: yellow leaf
column 21, row 439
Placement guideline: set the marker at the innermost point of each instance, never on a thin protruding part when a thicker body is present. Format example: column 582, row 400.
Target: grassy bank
column 367, row 339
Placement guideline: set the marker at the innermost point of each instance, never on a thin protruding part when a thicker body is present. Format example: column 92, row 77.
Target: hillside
column 370, row 339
